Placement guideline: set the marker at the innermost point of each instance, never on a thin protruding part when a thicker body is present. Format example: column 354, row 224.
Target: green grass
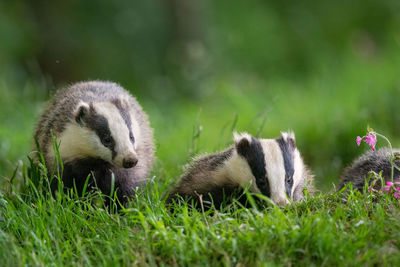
column 37, row 229
column 326, row 109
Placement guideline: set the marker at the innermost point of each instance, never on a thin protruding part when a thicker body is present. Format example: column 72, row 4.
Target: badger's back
column 199, row 179
column 376, row 161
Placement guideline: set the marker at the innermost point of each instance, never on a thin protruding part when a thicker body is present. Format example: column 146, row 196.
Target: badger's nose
column 282, row 202
column 129, row 162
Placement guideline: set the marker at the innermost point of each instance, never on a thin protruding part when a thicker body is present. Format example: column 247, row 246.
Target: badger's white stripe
column 236, row 171
column 78, row 142
column 275, row 170
column 134, row 123
column 135, row 129
column 119, row 131
column 298, row 170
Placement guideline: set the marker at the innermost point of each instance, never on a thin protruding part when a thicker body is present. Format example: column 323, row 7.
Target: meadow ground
column 40, row 230
column 326, row 110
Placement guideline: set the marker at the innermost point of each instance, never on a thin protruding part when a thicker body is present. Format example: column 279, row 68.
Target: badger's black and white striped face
column 275, row 165
column 105, row 130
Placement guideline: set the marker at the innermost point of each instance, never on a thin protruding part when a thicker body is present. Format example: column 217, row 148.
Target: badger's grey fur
column 376, row 161
column 272, row 167
column 101, row 129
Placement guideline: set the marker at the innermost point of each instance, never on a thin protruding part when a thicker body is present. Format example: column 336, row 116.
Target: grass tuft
column 37, row 228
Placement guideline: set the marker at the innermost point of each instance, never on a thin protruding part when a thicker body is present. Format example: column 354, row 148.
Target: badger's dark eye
column 289, row 185
column 106, row 140
column 131, row 137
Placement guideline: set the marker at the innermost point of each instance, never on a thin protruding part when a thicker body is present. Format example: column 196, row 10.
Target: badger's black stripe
column 99, row 124
column 254, row 155
column 287, row 149
column 125, row 116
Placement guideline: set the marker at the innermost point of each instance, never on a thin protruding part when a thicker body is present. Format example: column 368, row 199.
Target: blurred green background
column 325, row 69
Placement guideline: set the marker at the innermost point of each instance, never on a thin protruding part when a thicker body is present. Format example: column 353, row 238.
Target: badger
column 376, row 161
column 271, row 167
column 101, row 131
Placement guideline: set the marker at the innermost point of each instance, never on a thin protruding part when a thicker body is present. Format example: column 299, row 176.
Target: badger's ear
column 289, row 138
column 81, row 112
column 242, row 142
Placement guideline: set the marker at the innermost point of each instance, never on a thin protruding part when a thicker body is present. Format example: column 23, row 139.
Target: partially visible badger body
column 376, row 161
column 101, row 130
column 272, row 167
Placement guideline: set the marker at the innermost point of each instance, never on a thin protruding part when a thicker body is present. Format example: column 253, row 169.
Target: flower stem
column 391, row 154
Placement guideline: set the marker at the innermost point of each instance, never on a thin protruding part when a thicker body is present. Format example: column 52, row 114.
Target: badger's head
column 102, row 130
column 275, row 165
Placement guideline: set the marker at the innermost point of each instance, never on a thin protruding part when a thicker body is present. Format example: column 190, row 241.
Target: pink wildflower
column 370, row 140
column 372, row 189
column 396, row 192
column 358, row 140
column 388, row 186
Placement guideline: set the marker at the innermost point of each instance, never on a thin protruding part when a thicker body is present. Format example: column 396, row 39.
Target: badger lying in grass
column 101, row 130
column 271, row 167
column 376, row 161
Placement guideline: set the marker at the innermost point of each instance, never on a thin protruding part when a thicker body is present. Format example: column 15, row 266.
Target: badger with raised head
column 375, row 161
column 101, row 130
column 272, row 167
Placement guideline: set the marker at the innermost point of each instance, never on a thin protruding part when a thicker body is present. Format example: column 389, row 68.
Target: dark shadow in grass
column 38, row 185
column 226, row 199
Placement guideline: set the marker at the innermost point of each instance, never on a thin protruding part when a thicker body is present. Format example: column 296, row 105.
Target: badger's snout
column 129, row 161
column 281, row 201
